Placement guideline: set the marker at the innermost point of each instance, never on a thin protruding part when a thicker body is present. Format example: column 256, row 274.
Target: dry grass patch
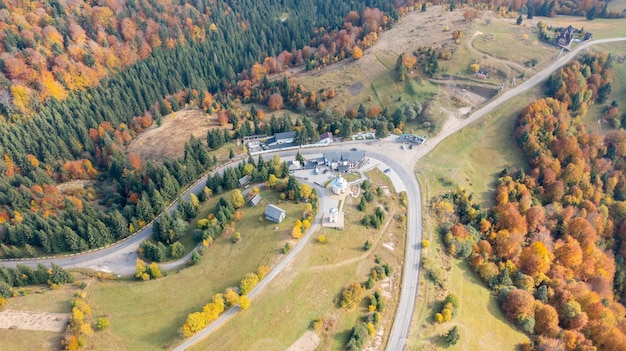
column 168, row 140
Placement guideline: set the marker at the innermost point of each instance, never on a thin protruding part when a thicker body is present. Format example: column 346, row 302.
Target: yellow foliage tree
column 52, row 87
column 296, row 232
column 306, row 191
column 474, row 67
column 155, row 271
column 231, row 297
column 357, row 53
column 238, row 199
column 21, row 97
column 248, row 283
column 140, row 268
column 352, row 295
column 244, row 302
column 262, row 271
column 195, row 322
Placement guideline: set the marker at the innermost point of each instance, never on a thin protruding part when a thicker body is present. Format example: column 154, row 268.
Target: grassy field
column 505, row 40
column 479, row 319
column 140, row 320
column 461, row 160
column 37, row 299
column 31, row 340
column 600, row 27
column 473, row 157
column 286, row 309
column 391, row 93
column 44, row 299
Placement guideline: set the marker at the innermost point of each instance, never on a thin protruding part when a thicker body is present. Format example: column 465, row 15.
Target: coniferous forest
column 81, row 80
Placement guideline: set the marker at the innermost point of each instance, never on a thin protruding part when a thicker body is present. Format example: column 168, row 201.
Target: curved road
column 125, row 250
column 119, row 257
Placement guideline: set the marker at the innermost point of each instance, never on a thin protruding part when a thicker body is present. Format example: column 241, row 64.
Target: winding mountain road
column 120, row 257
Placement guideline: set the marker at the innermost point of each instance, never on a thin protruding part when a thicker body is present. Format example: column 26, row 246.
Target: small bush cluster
column 143, row 272
column 449, row 307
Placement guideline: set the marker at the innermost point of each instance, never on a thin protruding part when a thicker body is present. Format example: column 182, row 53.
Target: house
column 255, row 200
column 344, row 161
column 339, row 185
column 281, row 138
column 295, row 165
column 274, row 214
column 326, row 138
column 244, row 181
column 254, row 142
column 565, row 37
column 482, row 74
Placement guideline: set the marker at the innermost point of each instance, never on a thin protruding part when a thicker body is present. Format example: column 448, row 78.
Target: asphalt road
column 125, row 251
column 271, row 275
column 402, row 323
column 118, row 258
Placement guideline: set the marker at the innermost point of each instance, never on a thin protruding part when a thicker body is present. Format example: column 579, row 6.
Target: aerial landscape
column 312, row 175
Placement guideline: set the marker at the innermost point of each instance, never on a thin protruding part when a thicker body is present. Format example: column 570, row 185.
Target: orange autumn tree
column 550, row 244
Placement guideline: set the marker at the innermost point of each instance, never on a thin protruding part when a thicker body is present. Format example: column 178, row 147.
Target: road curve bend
column 125, row 250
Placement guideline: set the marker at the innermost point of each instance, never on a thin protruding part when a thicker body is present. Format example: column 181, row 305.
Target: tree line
column 552, row 245
column 82, row 136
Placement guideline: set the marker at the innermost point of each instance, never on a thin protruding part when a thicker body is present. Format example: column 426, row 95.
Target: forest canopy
column 80, row 80
column 553, row 244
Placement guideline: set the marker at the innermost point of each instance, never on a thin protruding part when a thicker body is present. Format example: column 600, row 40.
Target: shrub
column 367, row 246
column 286, row 248
column 102, row 323
column 352, row 295
column 196, row 257
column 452, row 336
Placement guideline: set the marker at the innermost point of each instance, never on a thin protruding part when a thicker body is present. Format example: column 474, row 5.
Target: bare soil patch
column 27, row 320
column 156, row 143
column 75, row 184
column 307, row 342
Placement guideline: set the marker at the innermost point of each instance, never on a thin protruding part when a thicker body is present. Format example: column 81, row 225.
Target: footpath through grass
column 311, row 287
column 147, row 315
column 473, row 157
